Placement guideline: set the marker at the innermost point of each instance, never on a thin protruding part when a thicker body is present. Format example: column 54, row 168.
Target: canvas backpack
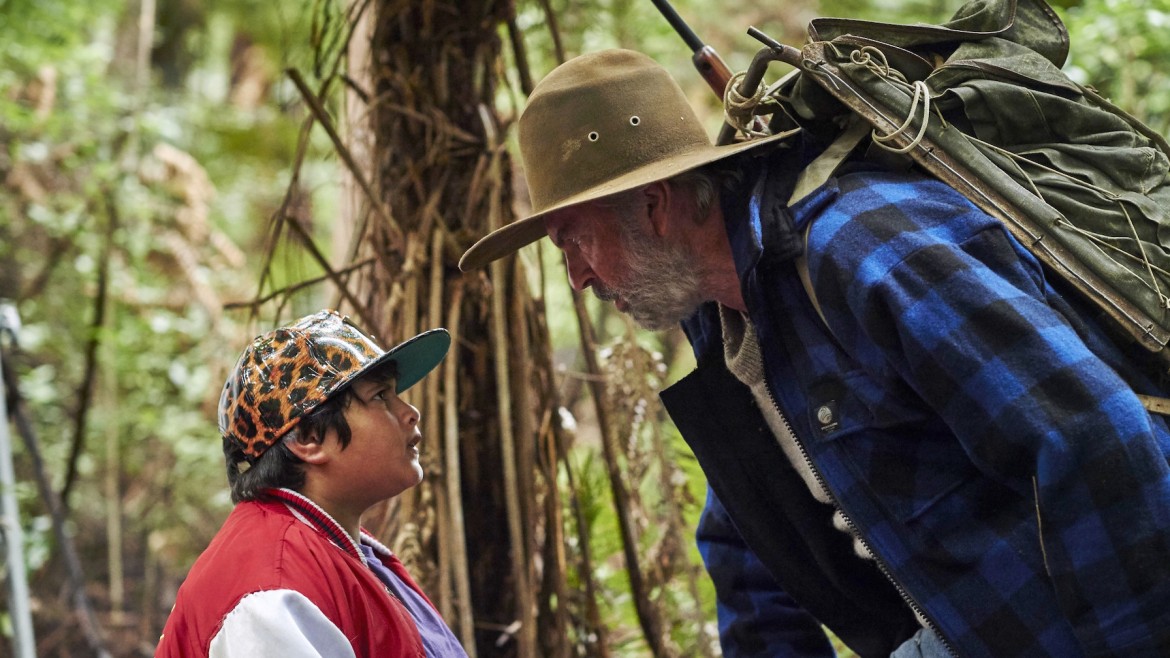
column 981, row 103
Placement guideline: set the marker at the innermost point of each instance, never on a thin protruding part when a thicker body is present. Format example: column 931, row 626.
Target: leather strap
column 812, row 177
column 1155, row 405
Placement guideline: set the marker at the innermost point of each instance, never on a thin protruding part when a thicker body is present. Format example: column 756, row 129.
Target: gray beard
column 662, row 287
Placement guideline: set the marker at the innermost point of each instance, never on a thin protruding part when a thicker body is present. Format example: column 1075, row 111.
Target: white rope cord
column 1095, row 238
column 1106, row 242
column 739, row 110
column 1109, row 195
column 1145, row 259
column 875, row 61
column 865, row 57
column 1103, row 243
column 921, row 97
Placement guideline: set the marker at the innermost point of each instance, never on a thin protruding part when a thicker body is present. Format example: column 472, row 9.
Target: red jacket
column 265, row 547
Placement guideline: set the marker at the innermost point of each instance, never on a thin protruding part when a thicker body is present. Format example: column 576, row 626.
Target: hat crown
column 286, row 373
column 597, row 125
column 599, row 117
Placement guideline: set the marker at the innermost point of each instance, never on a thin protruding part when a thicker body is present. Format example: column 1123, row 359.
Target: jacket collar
column 311, row 513
column 760, row 226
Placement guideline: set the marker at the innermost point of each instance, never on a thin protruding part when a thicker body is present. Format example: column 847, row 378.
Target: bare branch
column 297, row 287
column 322, row 117
column 647, row 615
column 85, row 395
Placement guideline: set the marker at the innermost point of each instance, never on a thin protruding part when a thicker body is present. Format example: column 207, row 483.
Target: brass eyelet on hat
column 593, row 136
column 635, row 120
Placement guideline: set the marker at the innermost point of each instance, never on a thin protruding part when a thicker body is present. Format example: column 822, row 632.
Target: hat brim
column 415, row 357
column 523, row 232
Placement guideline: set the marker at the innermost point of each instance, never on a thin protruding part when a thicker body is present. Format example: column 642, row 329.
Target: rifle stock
column 713, row 69
column 707, row 62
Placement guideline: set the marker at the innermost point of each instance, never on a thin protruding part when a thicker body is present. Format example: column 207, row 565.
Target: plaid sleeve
column 756, row 617
column 961, row 312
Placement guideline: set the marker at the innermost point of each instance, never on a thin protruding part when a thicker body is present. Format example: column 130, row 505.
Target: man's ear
column 659, row 199
column 310, row 448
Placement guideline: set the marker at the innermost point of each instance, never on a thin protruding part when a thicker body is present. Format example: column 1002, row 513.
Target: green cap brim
column 415, row 357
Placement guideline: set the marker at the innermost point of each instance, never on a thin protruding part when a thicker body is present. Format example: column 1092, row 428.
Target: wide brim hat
column 597, row 125
column 286, row 373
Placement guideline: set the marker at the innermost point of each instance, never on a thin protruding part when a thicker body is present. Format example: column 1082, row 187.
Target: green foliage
column 1122, row 48
column 118, row 184
column 58, row 28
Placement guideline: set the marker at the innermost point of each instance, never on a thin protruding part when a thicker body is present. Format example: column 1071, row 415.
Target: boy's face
column 381, row 460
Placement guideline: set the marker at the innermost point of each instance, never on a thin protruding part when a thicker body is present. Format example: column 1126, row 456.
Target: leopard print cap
column 285, row 373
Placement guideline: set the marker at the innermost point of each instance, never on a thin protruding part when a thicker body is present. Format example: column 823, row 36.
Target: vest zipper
column 853, row 530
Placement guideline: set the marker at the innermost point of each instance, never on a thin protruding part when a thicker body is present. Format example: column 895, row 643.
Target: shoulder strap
column 824, row 165
column 812, row 177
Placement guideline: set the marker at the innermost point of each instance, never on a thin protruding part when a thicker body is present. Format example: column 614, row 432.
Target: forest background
column 177, row 177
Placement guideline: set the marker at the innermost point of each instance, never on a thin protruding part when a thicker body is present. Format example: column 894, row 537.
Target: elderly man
column 926, row 446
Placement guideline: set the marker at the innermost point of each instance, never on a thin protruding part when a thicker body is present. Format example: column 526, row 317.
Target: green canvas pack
column 981, row 103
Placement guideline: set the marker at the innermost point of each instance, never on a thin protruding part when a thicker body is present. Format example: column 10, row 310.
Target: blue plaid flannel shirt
column 985, row 439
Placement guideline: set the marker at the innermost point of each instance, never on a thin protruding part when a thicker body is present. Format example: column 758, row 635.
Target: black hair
column 278, row 467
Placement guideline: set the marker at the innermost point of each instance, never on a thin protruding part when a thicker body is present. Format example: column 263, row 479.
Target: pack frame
column 882, row 84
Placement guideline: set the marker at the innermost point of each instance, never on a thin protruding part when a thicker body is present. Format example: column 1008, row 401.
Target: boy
column 314, row 434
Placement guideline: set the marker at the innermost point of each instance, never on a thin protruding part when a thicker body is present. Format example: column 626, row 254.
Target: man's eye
column 564, row 240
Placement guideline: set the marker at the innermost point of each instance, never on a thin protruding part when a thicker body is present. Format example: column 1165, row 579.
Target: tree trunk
column 485, row 534
column 440, row 169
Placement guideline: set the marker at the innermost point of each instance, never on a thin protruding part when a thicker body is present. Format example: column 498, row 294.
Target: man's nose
column 580, row 274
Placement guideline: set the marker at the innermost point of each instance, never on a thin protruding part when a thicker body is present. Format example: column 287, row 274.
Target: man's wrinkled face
column 615, row 251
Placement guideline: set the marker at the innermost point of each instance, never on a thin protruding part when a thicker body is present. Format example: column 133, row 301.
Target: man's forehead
column 556, row 223
column 557, row 219
column 573, row 216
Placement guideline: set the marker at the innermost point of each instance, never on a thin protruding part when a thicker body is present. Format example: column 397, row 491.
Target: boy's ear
column 310, row 448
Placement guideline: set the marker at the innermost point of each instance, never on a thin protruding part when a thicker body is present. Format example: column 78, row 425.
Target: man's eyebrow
column 564, row 235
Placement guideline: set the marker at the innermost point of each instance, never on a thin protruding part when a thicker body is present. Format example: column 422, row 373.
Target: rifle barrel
column 707, row 62
column 688, row 35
